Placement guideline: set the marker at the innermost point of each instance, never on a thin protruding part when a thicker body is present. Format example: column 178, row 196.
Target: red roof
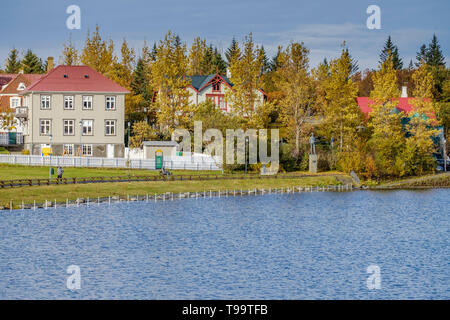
column 404, row 104
column 75, row 79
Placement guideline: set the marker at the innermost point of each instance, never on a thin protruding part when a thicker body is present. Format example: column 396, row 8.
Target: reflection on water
column 287, row 246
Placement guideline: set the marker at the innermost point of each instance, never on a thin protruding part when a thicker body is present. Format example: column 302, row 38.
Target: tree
column 422, row 55
column 391, row 49
column 31, row 63
column 196, row 56
column 169, row 79
column 419, row 148
column 340, row 110
column 297, row 104
column 263, row 61
column 142, row 90
column 220, row 66
column 233, row 52
column 245, row 70
column 434, row 55
column 207, row 63
column 142, row 131
column 387, row 138
column 70, row 54
column 13, row 62
column 98, row 53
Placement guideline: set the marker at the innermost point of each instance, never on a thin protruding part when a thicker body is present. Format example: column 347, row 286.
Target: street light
column 81, row 133
column 246, row 149
column 51, row 152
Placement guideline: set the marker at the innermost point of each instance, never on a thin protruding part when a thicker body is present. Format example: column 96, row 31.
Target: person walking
column 60, row 172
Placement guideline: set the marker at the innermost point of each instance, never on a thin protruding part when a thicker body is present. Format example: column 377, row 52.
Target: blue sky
column 321, row 24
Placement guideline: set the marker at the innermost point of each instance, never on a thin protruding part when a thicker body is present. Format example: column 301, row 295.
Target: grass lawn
column 72, row 192
column 10, row 172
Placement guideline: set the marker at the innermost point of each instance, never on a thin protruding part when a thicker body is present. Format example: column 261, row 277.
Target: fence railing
column 84, row 180
column 175, row 163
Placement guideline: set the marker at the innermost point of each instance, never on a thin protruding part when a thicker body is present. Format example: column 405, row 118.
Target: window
column 222, row 104
column 14, row 103
column 218, row 100
column 68, row 102
column 87, row 102
column 110, row 103
column 110, row 127
column 45, row 102
column 69, row 127
column 88, row 127
column 21, row 86
column 45, row 127
column 68, row 149
column 216, row 86
column 87, row 149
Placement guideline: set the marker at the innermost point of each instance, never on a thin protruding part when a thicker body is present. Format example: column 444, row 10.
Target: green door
column 158, row 159
column 12, row 138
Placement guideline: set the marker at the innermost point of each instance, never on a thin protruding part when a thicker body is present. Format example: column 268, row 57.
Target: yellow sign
column 47, row 151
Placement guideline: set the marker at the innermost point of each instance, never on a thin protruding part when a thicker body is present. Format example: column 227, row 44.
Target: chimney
column 49, row 64
column 228, row 73
column 405, row 91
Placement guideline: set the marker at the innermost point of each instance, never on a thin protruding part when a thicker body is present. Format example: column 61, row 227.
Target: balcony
column 21, row 112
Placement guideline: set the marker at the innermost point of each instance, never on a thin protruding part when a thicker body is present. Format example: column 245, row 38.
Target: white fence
column 174, row 163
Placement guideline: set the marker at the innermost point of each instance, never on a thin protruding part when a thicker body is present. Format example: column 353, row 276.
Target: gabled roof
column 75, row 79
column 27, row 79
column 5, row 78
column 403, row 104
column 199, row 82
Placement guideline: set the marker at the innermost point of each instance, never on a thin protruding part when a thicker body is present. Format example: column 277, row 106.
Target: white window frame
column 69, row 102
column 21, row 86
column 14, row 102
column 45, row 102
column 111, row 125
column 66, row 122
column 89, row 101
column 84, row 125
column 70, row 149
column 110, row 102
column 87, row 150
column 47, row 124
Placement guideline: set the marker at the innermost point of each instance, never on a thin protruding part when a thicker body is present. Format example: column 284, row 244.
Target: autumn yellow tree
column 298, row 101
column 70, row 55
column 196, row 54
column 341, row 114
column 142, row 131
column 245, row 69
column 388, row 138
column 170, row 81
column 98, row 53
column 418, row 153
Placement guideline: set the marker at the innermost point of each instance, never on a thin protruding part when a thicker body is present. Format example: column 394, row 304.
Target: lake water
column 314, row 245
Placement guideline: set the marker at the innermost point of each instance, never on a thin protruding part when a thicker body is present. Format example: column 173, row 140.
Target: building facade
column 214, row 87
column 76, row 111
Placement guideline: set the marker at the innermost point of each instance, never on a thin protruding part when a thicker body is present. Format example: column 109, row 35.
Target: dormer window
column 216, row 86
column 86, row 76
column 66, row 76
column 21, row 86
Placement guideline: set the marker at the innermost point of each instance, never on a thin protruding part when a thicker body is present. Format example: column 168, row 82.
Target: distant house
column 404, row 103
column 214, row 87
column 77, row 110
column 10, row 98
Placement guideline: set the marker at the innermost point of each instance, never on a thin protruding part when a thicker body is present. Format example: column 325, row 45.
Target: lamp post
column 445, row 154
column 128, row 143
column 51, row 152
column 246, row 150
column 81, row 133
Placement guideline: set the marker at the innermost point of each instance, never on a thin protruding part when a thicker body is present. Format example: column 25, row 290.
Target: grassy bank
column 72, row 192
column 427, row 181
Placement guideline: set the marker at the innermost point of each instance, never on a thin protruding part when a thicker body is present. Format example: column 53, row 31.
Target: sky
column 321, row 24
